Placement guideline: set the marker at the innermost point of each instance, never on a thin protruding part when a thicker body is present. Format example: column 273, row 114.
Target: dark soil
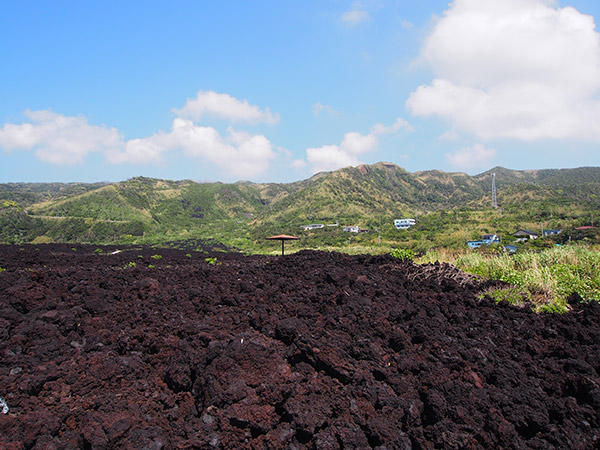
column 311, row 350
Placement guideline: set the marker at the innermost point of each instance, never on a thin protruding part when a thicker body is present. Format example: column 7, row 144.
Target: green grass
column 546, row 278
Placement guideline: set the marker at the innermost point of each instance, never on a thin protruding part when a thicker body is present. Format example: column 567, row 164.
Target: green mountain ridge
column 449, row 207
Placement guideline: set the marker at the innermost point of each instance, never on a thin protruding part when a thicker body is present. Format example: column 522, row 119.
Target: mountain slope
column 151, row 210
column 27, row 194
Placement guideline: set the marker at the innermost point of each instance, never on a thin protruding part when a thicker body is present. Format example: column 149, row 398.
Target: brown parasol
column 283, row 238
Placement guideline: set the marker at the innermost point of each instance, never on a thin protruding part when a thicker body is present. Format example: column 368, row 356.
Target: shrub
column 156, row 257
column 403, row 254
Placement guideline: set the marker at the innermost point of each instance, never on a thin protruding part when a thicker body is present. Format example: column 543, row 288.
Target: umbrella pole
column 282, row 246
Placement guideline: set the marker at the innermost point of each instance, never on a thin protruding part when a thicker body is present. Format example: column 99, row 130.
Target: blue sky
column 278, row 90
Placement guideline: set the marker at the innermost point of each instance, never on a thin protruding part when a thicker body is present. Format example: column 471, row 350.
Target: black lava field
column 165, row 349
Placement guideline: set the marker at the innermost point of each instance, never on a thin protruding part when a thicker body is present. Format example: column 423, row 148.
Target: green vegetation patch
column 512, row 295
column 548, row 277
column 403, row 254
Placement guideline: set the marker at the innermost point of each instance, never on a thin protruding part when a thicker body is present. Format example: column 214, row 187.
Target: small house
column 475, row 244
column 352, row 229
column 404, row 224
column 488, row 239
column 524, row 235
column 551, row 232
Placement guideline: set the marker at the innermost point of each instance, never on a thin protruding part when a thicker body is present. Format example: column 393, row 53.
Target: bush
column 403, row 254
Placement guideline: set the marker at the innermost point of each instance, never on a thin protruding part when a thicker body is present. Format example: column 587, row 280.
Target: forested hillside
column 450, row 208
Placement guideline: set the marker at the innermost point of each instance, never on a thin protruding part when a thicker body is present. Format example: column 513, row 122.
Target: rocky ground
column 156, row 349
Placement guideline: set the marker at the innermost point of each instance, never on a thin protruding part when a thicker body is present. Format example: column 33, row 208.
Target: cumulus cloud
column 522, row 69
column 471, row 157
column 238, row 153
column 66, row 140
column 355, row 143
column 333, row 157
column 147, row 150
column 59, row 139
column 330, row 157
column 224, row 106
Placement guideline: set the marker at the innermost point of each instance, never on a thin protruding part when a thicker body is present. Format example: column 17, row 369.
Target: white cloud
column 333, row 157
column 59, row 139
column 379, row 129
column 472, row 157
column 238, row 153
column 355, row 15
column 521, row 69
column 329, row 157
column 224, row 106
column 66, row 140
column 318, row 108
column 355, row 143
column 142, row 150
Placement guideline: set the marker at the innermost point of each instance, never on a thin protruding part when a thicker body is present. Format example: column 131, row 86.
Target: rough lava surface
column 311, row 350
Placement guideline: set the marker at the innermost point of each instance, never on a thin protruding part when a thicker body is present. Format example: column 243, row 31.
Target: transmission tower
column 494, row 202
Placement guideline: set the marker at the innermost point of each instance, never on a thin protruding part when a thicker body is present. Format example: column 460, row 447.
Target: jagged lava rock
column 312, row 350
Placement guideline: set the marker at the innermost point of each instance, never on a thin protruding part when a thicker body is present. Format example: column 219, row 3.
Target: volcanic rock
column 312, row 350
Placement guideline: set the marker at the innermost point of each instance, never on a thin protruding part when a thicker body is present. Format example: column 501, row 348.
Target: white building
column 314, row 226
column 404, row 224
